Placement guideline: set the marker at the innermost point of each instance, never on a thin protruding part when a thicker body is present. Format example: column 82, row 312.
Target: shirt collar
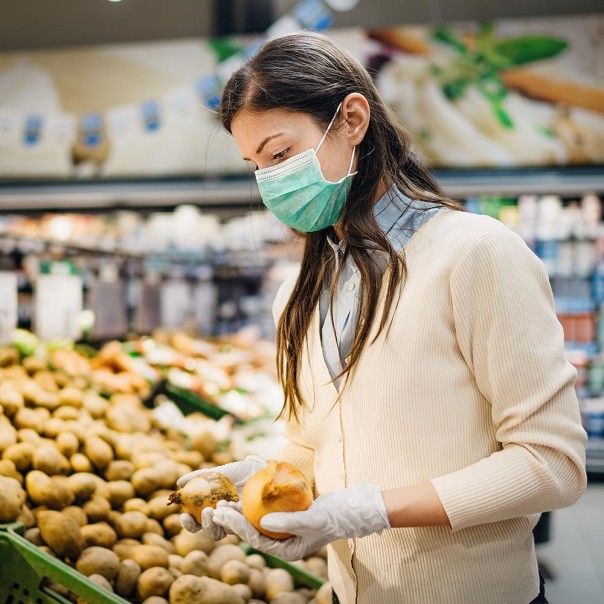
column 393, row 211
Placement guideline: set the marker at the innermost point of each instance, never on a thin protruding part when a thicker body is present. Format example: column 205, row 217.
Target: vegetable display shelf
column 27, row 574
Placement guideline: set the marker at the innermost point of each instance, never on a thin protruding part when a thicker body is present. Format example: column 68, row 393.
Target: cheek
column 335, row 160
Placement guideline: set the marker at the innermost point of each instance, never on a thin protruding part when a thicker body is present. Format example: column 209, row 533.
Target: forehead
column 250, row 128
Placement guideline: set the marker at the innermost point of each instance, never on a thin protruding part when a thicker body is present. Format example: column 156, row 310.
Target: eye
column 279, row 157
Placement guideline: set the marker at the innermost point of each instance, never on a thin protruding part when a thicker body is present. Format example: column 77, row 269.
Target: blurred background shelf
column 241, row 191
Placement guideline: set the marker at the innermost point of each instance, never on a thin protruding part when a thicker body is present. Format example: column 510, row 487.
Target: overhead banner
column 513, row 93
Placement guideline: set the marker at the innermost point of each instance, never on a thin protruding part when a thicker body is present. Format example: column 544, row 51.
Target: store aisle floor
column 575, row 552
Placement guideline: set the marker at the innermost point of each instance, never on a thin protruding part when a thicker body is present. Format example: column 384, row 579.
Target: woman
column 427, row 393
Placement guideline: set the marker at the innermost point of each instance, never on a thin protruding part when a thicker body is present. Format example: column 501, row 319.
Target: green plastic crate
column 25, row 571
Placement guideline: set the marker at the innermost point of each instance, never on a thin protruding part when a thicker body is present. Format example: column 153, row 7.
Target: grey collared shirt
column 399, row 217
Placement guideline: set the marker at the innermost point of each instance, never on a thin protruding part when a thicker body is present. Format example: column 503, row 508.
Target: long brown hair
column 309, row 73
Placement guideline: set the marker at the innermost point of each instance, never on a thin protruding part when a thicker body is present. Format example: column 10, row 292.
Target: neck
column 381, row 191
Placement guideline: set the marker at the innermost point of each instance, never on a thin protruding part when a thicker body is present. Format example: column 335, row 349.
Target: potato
column 256, row 561
column 317, row 566
column 233, row 572
column 202, row 590
column 193, row 459
column 99, row 533
column 48, row 400
column 83, row 484
column 131, row 525
column 97, row 508
column 77, row 513
column 71, row 397
column 49, row 460
column 195, row 563
column 289, row 597
column 119, row 492
column 221, row 555
column 172, row 524
column 33, row 536
column 159, row 508
column 77, row 428
column 95, row 405
column 98, row 561
column 154, row 581
column 128, row 419
column 26, row 517
column 186, row 542
column 67, row 413
column 8, row 469
column 8, row 437
column 153, row 526
column 53, row 427
column 61, row 533
column 120, row 469
column 29, row 418
column 21, row 454
column 145, row 481
column 137, row 505
column 68, row 443
column 101, row 582
column 205, row 443
column 12, row 497
column 98, row 452
column 80, row 463
column 155, row 539
column 278, row 580
column 155, row 600
column 37, row 484
column 11, row 401
column 244, row 591
column 127, row 577
column 29, row 436
column 149, row 556
column 54, row 492
column 47, row 380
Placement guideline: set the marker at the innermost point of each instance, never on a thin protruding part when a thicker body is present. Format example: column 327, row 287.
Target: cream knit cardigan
column 471, row 389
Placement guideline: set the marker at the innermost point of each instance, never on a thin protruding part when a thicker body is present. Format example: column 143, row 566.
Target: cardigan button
column 350, row 286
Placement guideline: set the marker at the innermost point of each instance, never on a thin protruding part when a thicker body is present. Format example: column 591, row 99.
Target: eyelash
column 279, row 157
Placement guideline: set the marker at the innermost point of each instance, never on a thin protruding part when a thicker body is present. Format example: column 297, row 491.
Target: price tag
column 58, row 304
column 8, row 306
column 108, row 303
column 175, row 303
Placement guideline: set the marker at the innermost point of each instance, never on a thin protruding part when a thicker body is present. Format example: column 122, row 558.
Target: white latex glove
column 354, row 512
column 237, row 472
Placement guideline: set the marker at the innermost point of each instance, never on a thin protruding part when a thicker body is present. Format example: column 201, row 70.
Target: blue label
column 150, row 115
column 33, row 129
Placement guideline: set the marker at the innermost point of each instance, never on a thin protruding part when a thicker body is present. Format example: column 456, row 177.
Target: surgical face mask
column 296, row 192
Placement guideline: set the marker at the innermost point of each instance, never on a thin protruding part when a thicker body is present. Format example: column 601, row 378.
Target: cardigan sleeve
column 295, row 451
column 509, row 334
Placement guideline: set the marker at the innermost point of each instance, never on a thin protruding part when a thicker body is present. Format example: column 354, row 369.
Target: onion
column 204, row 491
column 279, row 487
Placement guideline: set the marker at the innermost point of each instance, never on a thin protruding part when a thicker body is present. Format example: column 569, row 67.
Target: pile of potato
column 89, row 477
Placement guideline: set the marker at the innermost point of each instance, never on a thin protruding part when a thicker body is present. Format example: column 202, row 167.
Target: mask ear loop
column 351, row 162
column 333, row 119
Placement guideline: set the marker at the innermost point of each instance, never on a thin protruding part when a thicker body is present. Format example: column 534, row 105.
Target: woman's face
column 270, row 137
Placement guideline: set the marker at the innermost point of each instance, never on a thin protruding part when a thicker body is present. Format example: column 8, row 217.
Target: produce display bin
column 26, row 572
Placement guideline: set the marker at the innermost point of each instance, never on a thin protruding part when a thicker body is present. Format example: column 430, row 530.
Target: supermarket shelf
column 595, row 457
column 150, row 193
column 242, row 190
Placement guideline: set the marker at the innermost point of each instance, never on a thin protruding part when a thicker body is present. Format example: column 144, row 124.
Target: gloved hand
column 354, row 512
column 237, row 472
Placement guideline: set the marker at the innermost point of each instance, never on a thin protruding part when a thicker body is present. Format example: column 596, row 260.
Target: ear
column 355, row 114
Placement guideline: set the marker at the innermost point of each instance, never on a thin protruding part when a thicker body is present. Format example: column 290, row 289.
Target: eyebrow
column 263, row 143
